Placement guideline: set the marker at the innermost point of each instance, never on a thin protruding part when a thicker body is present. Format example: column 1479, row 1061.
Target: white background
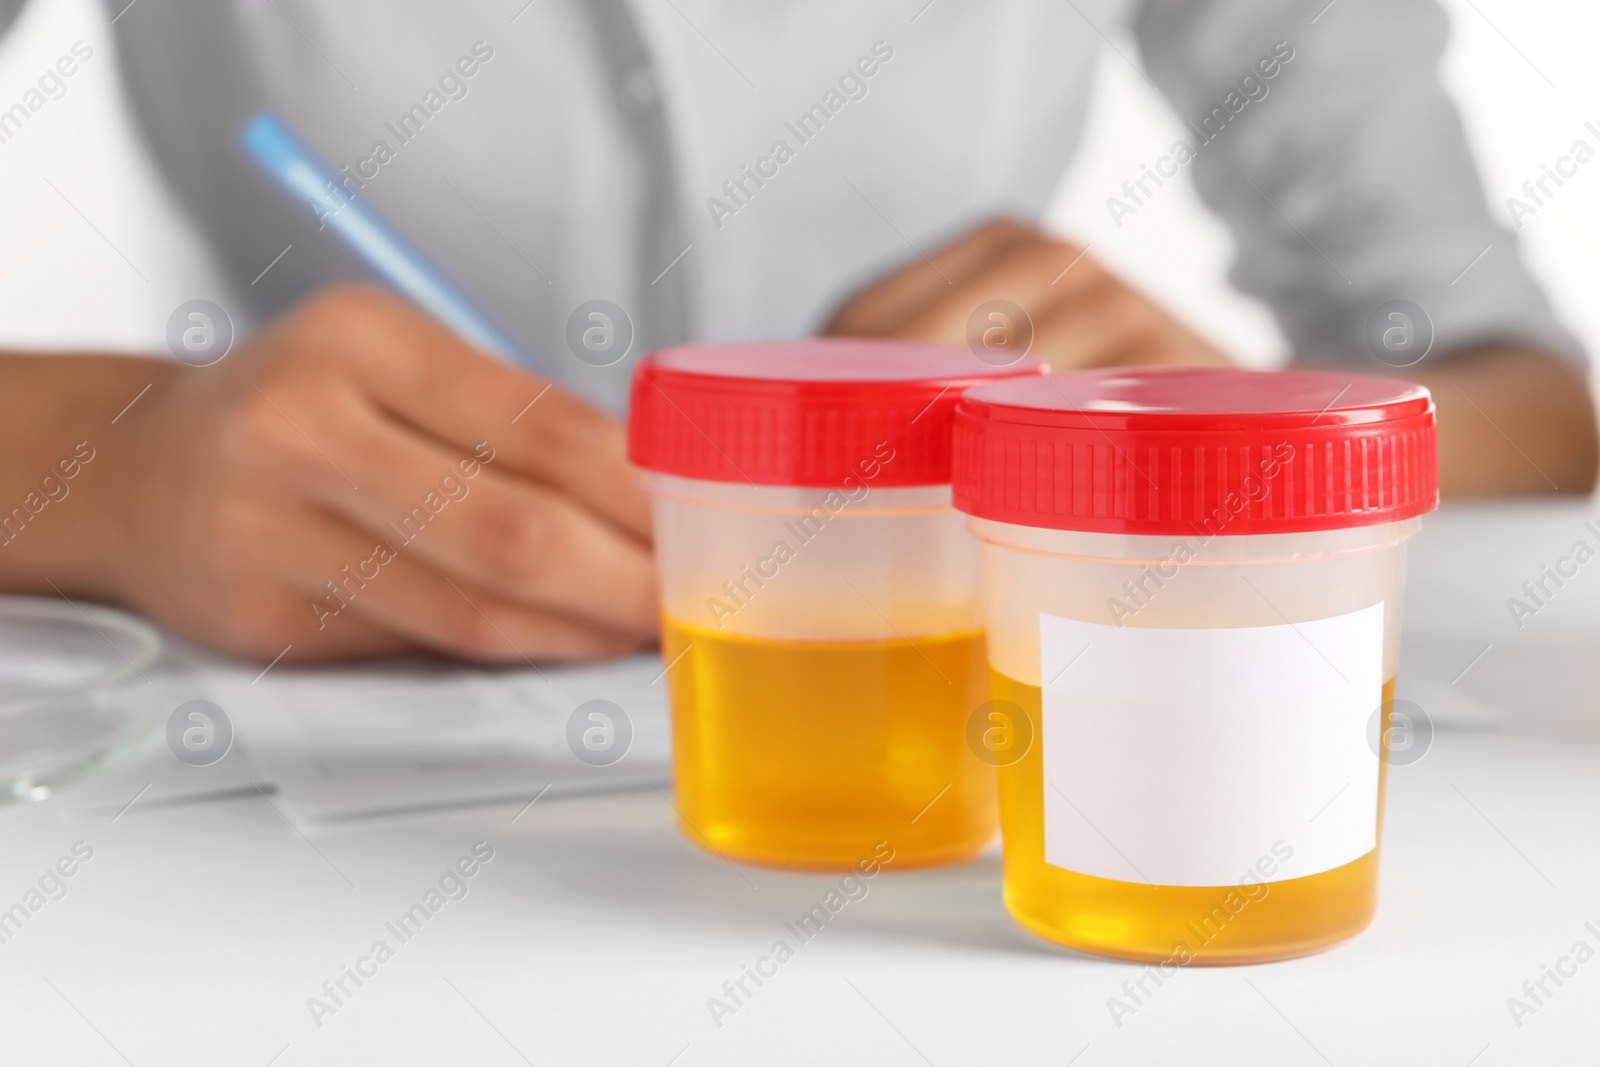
column 94, row 253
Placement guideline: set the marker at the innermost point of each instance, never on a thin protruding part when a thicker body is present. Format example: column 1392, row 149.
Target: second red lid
column 803, row 413
column 1179, row 451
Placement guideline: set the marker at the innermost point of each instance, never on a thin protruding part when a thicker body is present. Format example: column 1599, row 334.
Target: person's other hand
column 355, row 480
column 1082, row 315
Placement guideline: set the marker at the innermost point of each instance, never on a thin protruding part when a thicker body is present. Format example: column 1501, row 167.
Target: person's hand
column 1082, row 315
column 355, row 480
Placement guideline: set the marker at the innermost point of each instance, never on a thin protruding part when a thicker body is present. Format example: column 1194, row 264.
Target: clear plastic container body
column 1195, row 726
column 825, row 650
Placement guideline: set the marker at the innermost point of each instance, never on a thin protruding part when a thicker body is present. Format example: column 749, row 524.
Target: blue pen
column 290, row 163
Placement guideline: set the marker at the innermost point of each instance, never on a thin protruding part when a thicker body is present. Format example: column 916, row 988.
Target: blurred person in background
column 719, row 170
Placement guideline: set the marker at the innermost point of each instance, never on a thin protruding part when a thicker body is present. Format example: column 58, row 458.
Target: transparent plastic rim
column 789, row 499
column 1216, row 549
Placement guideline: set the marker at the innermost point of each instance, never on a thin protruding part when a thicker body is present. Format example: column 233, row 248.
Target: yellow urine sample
column 811, row 753
column 1157, row 923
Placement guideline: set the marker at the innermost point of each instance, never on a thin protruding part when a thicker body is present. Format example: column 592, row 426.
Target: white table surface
column 196, row 933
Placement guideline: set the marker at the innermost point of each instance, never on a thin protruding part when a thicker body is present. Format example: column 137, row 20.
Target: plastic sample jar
column 821, row 614
column 1193, row 584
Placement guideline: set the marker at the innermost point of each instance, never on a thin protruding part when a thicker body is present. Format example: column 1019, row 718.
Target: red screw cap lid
column 1196, row 451
column 803, row 413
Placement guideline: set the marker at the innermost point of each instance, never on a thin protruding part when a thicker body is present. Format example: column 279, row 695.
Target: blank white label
column 1181, row 757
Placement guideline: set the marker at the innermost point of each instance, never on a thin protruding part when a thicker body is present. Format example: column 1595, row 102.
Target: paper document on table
column 341, row 743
